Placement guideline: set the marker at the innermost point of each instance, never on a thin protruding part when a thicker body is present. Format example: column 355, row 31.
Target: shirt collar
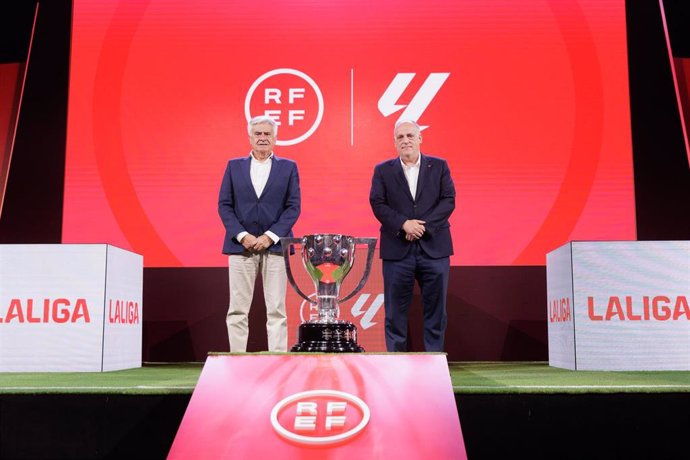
column 252, row 157
column 416, row 165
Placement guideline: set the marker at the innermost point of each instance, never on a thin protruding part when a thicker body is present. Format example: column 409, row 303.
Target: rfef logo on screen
column 320, row 417
column 292, row 98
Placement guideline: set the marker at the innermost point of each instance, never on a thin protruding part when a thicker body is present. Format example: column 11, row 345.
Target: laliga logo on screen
column 369, row 313
column 284, row 97
column 357, row 309
column 320, row 417
column 388, row 102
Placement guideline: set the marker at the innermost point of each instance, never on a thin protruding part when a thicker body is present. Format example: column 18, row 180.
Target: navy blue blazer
column 276, row 210
column 392, row 204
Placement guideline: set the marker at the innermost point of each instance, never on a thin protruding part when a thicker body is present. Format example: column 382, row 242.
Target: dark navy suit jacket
column 392, row 204
column 276, row 210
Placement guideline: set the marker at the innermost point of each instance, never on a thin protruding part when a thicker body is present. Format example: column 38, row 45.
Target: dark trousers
column 398, row 281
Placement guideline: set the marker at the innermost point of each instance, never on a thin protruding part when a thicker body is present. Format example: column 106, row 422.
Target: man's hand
column 248, row 242
column 262, row 243
column 414, row 229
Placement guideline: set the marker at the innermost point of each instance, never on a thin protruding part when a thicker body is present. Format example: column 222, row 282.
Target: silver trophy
column 328, row 258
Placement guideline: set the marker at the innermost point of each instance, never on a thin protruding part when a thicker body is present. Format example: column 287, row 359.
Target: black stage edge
column 89, row 426
column 575, row 426
column 510, row 426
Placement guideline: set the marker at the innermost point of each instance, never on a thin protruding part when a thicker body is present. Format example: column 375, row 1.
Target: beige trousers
column 243, row 269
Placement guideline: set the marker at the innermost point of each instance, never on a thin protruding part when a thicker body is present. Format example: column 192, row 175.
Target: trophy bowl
column 327, row 259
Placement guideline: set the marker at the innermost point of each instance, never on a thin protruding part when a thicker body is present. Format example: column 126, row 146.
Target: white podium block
column 620, row 305
column 71, row 307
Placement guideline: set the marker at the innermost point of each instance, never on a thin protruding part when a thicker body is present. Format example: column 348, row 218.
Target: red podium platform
column 322, row 406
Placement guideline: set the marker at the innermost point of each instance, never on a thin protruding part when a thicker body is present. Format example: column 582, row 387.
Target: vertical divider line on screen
column 352, row 107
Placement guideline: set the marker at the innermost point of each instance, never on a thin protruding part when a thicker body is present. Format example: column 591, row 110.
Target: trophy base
column 336, row 337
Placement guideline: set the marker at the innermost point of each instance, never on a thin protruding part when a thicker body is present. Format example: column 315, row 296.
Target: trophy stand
column 328, row 258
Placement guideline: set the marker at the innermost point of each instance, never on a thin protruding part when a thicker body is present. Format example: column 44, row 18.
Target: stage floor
column 467, row 378
column 506, row 409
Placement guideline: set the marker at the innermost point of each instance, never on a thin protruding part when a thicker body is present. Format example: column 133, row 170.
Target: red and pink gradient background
column 533, row 119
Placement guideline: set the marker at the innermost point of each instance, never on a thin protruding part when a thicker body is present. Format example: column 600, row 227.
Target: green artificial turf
column 466, row 377
column 539, row 377
column 151, row 378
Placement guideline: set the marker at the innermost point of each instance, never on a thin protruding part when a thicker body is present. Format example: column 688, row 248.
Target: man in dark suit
column 413, row 196
column 259, row 202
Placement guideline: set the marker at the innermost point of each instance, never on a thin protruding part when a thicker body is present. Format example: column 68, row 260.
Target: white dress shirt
column 412, row 174
column 259, row 171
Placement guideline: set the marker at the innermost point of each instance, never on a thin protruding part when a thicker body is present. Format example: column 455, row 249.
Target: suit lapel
column 400, row 177
column 275, row 167
column 423, row 166
column 245, row 173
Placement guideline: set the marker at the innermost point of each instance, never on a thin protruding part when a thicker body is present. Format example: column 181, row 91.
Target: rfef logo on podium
column 313, row 406
column 320, row 417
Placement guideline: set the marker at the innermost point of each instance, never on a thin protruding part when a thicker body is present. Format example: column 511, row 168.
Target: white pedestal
column 75, row 307
column 619, row 305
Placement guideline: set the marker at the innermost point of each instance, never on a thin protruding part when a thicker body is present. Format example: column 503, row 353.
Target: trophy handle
column 286, row 242
column 371, row 244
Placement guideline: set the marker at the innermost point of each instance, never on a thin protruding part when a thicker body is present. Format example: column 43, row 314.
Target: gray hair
column 262, row 119
column 402, row 122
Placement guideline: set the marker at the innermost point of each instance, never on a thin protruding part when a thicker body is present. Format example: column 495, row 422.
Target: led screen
column 527, row 100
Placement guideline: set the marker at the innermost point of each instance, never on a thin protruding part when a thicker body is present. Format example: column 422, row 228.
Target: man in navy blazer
column 413, row 196
column 259, row 202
